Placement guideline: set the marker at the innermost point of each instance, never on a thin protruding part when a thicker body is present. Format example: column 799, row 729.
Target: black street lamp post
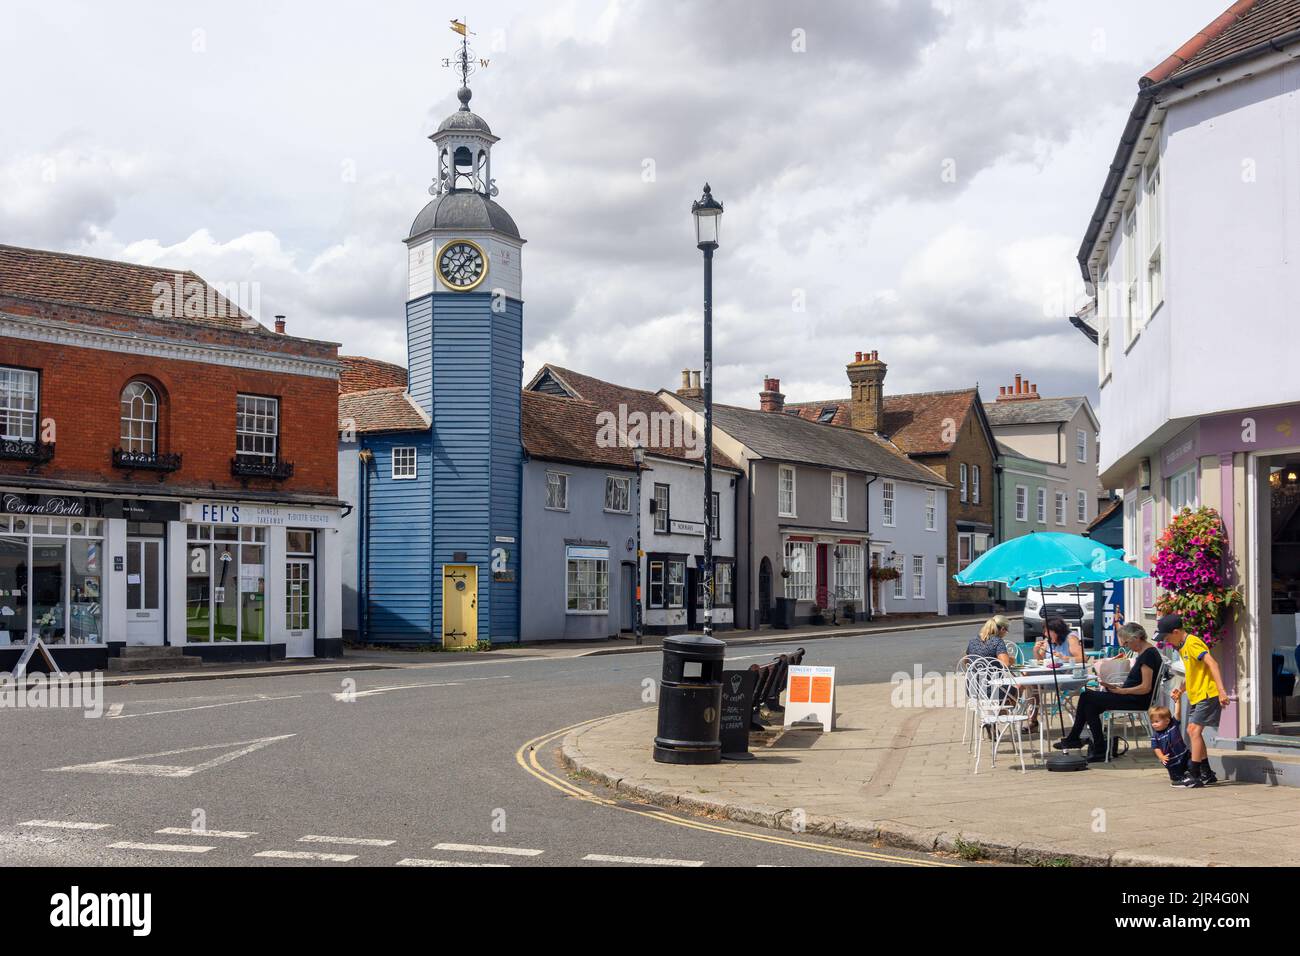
column 708, row 218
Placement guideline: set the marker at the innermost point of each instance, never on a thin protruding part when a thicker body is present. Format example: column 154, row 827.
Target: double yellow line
column 527, row 757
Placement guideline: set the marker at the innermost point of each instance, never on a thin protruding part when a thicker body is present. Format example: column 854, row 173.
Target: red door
column 823, row 581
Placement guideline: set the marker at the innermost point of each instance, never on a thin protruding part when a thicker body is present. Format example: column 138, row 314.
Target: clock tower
column 464, row 334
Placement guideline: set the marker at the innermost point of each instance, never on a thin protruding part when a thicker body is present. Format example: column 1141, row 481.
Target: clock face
column 462, row 264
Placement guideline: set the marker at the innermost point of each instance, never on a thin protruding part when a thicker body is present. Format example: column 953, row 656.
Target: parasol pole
column 1064, row 761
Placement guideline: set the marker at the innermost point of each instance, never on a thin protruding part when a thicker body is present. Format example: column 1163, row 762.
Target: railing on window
column 36, row 452
column 250, row 466
column 146, row 460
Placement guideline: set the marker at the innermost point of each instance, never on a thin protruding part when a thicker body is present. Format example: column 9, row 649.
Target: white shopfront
column 255, row 574
column 226, row 580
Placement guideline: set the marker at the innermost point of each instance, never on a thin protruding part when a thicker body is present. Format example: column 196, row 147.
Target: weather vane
column 463, row 60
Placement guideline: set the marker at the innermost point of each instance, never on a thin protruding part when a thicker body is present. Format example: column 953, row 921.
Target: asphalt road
column 422, row 765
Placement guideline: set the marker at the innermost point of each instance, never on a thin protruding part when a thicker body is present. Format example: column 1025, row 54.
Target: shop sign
column 246, row 513
column 1258, row 429
column 58, row 506
column 810, row 696
column 73, row 506
column 1181, row 452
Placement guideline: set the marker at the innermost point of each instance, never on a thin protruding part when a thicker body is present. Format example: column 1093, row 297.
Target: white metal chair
column 1014, row 652
column 967, row 664
column 993, row 710
column 1131, row 719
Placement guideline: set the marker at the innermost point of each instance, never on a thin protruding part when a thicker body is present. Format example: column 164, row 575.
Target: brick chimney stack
column 867, row 391
column 1021, row 391
column 770, row 398
column 691, row 387
column 279, row 324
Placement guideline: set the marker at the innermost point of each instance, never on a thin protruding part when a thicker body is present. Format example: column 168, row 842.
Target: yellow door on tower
column 459, row 605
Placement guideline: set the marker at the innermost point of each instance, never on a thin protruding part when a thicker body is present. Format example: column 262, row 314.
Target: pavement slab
column 903, row 777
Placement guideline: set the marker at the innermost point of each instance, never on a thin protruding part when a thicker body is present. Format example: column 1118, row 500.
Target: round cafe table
column 1045, row 683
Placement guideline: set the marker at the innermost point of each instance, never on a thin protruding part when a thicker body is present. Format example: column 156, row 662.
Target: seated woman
column 1057, row 642
column 992, row 640
column 1134, row 694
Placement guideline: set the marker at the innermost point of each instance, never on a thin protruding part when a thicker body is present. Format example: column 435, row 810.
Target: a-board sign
column 737, row 705
column 810, row 696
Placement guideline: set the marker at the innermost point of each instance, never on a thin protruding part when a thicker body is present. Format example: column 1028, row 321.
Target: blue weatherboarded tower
column 434, row 462
column 464, row 332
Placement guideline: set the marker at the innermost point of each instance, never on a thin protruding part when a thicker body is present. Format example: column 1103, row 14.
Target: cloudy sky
column 909, row 176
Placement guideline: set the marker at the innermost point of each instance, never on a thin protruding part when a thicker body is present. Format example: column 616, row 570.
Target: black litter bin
column 784, row 613
column 690, row 701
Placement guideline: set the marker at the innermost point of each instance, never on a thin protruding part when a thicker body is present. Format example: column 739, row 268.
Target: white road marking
column 161, row 847
column 207, row 834
column 640, row 860
column 115, row 709
column 304, row 855
column 355, row 695
column 118, row 715
column 475, row 848
column 344, row 841
column 413, row 861
column 128, row 764
column 65, row 825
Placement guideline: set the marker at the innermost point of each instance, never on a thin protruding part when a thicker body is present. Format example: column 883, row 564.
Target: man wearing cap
column 1203, row 685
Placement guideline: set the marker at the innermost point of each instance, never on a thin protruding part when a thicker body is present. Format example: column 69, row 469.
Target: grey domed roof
column 463, row 209
column 464, row 119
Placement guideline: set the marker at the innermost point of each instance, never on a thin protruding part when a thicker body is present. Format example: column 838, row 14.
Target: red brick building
column 168, row 476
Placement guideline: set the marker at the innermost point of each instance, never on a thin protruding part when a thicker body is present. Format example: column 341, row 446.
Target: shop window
column 724, row 574
column 586, row 580
column 51, row 580
column 800, row 557
column 848, row 572
column 225, row 600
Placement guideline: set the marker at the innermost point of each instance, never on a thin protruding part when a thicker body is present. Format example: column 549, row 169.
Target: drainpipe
column 866, row 557
column 363, row 546
column 750, row 572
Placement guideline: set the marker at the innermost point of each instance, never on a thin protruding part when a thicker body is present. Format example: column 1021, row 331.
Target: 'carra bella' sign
column 54, row 505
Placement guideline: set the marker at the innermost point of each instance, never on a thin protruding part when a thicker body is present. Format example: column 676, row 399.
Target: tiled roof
column 791, row 438
column 566, row 429
column 1101, row 518
column 1033, row 411
column 611, row 397
column 117, row 287
column 359, row 373
column 1245, row 24
column 381, row 410
column 915, row 423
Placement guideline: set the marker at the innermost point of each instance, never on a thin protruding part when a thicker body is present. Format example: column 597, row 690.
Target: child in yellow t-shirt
column 1203, row 686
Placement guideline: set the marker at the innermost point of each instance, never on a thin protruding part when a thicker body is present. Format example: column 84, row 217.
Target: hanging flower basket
column 1189, row 566
column 885, row 574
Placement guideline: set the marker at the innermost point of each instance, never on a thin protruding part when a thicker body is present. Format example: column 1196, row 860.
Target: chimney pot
column 859, row 357
column 695, row 379
column 279, row 324
column 686, row 378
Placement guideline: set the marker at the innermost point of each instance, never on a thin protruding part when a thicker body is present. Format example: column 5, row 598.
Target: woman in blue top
column 1058, row 642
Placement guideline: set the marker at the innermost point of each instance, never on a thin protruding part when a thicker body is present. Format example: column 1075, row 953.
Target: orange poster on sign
column 821, row 690
column 799, row 690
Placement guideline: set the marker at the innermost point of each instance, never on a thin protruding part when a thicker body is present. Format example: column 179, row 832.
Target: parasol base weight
column 1066, row 763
